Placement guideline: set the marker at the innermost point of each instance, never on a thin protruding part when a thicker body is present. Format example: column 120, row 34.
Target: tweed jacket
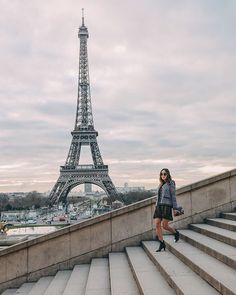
column 168, row 195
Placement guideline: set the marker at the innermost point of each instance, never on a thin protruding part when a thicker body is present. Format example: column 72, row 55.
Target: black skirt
column 163, row 212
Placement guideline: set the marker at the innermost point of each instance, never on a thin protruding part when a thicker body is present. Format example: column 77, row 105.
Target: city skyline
column 162, row 88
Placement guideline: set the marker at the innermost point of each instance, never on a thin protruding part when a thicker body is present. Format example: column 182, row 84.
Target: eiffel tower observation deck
column 73, row 173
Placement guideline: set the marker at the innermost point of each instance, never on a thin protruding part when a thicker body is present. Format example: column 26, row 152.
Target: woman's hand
column 175, row 212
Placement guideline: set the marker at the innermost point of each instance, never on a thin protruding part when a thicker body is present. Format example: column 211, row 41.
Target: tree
column 4, row 200
column 32, row 200
column 132, row 197
column 8, row 207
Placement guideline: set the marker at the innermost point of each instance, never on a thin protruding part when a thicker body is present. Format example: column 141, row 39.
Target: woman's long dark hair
column 168, row 179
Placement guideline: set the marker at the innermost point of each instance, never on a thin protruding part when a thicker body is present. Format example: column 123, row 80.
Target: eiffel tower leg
column 56, row 192
column 74, row 153
column 63, row 196
column 53, row 193
column 97, row 158
column 110, row 188
column 77, row 156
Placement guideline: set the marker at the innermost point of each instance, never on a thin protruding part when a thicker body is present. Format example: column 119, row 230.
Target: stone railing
column 96, row 237
column 207, row 198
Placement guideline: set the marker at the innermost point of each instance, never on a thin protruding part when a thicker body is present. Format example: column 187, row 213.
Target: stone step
column 180, row 277
column 220, row 234
column 216, row 273
column 121, row 277
column 24, row 289
column 78, row 280
column 148, row 278
column 41, row 286
column 98, row 279
column 9, row 292
column 59, row 282
column 217, row 249
column 231, row 215
column 222, row 223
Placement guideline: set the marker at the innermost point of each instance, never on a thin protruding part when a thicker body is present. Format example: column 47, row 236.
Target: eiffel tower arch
column 84, row 134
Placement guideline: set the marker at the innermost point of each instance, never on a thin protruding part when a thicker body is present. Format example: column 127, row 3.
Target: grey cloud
column 162, row 80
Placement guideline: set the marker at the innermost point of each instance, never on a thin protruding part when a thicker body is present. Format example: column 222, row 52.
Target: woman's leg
column 160, row 235
column 166, row 226
column 158, row 229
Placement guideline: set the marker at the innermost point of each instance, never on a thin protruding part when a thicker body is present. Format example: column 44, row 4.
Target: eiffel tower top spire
column 82, row 17
column 84, row 116
column 82, row 27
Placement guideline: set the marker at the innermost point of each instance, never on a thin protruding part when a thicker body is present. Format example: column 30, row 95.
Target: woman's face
column 163, row 175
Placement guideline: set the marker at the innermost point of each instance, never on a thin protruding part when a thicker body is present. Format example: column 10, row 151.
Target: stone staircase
column 202, row 262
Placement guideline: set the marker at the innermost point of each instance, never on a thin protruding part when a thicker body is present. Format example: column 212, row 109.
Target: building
column 18, row 215
column 127, row 189
column 88, row 188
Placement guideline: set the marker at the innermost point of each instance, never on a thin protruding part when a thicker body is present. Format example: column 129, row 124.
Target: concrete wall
column 30, row 260
column 207, row 198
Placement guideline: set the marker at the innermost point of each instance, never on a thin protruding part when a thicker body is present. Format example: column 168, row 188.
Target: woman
column 166, row 200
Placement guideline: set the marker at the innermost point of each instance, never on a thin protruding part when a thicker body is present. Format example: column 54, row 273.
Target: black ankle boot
column 176, row 236
column 162, row 246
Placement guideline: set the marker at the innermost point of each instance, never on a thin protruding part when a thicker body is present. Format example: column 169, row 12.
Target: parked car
column 31, row 221
column 73, row 217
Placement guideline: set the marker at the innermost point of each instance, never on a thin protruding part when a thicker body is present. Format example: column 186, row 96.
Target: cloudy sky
column 163, row 84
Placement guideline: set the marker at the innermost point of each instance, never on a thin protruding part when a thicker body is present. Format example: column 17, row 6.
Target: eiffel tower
column 84, row 134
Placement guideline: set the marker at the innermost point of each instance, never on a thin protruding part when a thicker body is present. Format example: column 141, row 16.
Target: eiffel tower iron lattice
column 72, row 173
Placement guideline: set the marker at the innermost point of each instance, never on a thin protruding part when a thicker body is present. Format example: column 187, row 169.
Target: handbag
column 179, row 211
